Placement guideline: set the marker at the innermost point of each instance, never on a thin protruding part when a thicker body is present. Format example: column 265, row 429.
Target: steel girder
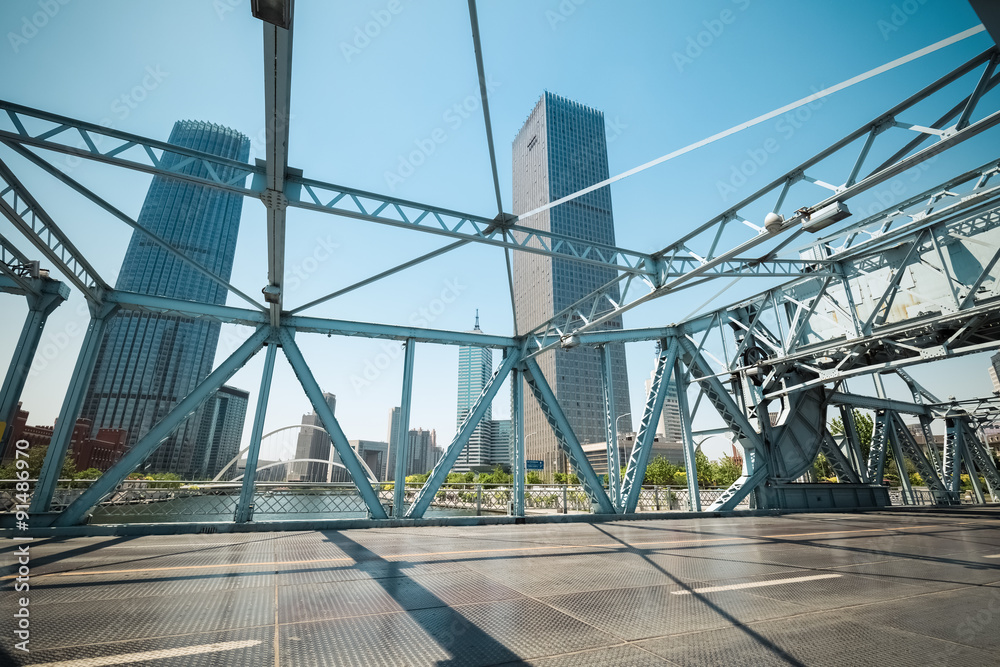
column 28, row 216
column 440, row 472
column 107, row 482
column 635, row 472
column 244, row 505
column 596, row 308
column 565, row 437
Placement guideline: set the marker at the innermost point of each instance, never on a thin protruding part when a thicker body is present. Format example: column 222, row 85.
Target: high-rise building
column 562, row 149
column 313, row 443
column 221, row 431
column 148, row 362
column 501, row 435
column 422, row 444
column 475, row 368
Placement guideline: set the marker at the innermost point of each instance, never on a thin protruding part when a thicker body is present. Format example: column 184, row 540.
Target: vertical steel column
column 41, row 499
column 567, row 440
column 40, row 306
column 244, row 506
column 897, row 454
column 403, row 434
column 853, row 442
column 639, row 457
column 347, row 454
column 876, row 457
column 970, row 466
column 951, row 465
column 694, row 493
column 614, row 460
column 517, row 451
column 443, row 466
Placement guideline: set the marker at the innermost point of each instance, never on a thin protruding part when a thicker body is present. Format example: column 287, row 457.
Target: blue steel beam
column 39, row 308
column 41, row 499
column 244, row 506
column 639, row 457
column 277, row 102
column 242, row 316
column 403, row 432
column 451, row 453
column 12, row 265
column 687, row 439
column 347, row 454
column 611, row 430
column 107, row 206
column 566, row 438
column 114, row 476
column 28, row 216
column 518, row 462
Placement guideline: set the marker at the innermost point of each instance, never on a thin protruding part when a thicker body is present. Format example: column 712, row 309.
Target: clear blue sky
column 359, row 103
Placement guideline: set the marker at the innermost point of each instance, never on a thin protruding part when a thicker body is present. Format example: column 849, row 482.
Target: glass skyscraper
column 562, row 149
column 149, row 362
column 475, row 368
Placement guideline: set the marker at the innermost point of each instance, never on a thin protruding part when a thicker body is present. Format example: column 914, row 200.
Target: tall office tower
column 475, row 368
column 313, row 443
column 394, row 439
column 221, row 430
column 501, row 435
column 562, row 149
column 422, row 443
column 148, row 362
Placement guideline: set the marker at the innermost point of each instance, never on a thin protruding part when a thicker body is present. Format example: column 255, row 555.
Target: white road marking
column 756, row 584
column 130, row 658
column 993, row 556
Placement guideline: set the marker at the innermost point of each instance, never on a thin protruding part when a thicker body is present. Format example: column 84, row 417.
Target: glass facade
column 221, row 431
column 475, row 368
column 562, row 149
column 149, row 362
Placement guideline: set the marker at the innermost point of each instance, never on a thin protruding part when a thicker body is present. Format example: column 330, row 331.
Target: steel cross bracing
column 783, row 347
column 599, row 307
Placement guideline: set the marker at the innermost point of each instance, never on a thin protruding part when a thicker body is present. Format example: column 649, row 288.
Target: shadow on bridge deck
column 803, row 589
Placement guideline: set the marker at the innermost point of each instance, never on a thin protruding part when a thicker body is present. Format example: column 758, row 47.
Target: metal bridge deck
column 895, row 588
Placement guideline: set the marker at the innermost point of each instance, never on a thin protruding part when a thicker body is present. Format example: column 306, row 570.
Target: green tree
column 532, row 477
column 706, row 469
column 864, row 424
column 727, row 470
column 660, row 471
column 822, row 470
column 36, row 457
column 89, row 473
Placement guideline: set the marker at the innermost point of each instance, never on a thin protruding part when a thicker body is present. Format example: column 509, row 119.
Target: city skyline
column 662, row 204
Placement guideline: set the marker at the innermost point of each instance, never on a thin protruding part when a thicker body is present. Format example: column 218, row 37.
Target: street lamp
column 627, row 414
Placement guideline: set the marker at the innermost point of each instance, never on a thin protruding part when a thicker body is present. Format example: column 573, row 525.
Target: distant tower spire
column 477, row 319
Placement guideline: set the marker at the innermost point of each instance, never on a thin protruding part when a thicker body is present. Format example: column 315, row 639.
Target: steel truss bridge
column 913, row 284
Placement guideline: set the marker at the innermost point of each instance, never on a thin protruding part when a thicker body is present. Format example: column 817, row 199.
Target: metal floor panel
column 656, row 611
column 245, row 647
column 820, row 640
column 529, row 594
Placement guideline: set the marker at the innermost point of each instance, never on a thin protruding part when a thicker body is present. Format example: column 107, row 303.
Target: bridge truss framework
column 771, row 366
